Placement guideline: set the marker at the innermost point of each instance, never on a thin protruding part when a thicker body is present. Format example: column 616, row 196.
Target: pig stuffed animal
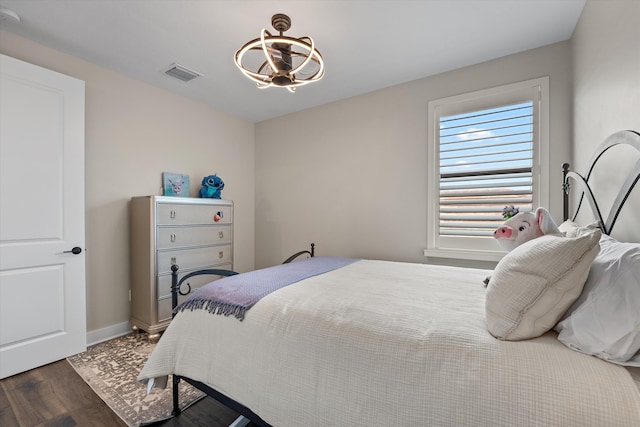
column 524, row 227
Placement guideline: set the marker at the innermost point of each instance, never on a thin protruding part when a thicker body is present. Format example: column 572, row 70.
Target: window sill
column 465, row 254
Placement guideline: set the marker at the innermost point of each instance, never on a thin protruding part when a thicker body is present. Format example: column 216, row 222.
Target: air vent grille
column 181, row 73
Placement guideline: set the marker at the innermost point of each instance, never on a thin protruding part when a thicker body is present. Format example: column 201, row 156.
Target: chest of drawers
column 190, row 232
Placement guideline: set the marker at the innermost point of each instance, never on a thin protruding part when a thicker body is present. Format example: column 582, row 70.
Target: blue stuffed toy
column 212, row 185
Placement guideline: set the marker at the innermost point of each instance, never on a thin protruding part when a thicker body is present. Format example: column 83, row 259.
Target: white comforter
column 381, row 343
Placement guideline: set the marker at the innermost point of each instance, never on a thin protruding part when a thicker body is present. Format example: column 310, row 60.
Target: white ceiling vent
column 181, row 73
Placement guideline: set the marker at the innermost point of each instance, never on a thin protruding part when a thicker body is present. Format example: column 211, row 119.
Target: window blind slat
column 495, row 201
column 464, row 195
column 465, row 232
column 516, row 127
column 448, row 178
column 494, row 173
column 470, row 224
column 444, row 210
column 486, row 142
column 466, row 185
column 518, row 159
column 482, row 122
column 475, row 217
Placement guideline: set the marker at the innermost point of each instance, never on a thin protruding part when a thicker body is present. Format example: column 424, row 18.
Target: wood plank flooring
column 56, row 396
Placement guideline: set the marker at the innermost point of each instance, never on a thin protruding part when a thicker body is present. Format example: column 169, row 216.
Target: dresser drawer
column 176, row 237
column 180, row 214
column 164, row 308
column 164, row 282
column 194, row 258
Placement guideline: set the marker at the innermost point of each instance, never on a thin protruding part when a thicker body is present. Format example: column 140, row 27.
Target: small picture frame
column 175, row 184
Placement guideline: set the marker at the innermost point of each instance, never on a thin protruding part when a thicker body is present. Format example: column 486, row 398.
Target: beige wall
column 134, row 132
column 606, row 58
column 351, row 176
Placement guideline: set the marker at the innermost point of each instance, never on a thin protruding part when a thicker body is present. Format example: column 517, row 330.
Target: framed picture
column 175, row 184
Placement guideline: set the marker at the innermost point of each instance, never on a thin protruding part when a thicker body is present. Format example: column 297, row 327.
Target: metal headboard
column 625, row 137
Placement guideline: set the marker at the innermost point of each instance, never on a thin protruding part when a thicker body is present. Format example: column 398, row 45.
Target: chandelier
column 280, row 60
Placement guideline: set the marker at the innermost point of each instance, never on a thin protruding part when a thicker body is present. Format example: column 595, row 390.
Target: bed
column 381, row 343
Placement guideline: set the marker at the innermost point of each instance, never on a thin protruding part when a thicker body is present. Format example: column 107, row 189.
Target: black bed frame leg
column 174, row 303
column 176, row 404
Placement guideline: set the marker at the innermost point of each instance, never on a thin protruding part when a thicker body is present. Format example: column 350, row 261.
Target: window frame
column 534, row 90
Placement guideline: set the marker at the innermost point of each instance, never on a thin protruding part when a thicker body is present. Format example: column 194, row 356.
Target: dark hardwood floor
column 56, row 396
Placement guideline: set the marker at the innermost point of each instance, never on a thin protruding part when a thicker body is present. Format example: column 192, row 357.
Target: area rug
column 111, row 369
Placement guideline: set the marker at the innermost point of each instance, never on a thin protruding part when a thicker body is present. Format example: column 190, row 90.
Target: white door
column 42, row 284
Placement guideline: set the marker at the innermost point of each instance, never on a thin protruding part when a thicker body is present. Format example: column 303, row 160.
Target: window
column 485, row 152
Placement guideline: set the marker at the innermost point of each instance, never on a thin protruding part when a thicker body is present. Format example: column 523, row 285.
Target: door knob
column 74, row 251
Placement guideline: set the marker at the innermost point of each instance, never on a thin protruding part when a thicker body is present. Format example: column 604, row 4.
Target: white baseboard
column 110, row 332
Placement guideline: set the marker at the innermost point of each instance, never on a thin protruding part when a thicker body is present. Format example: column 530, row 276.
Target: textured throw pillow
column 533, row 285
column 605, row 320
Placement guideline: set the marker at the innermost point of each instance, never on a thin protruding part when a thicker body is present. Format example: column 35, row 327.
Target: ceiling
column 366, row 44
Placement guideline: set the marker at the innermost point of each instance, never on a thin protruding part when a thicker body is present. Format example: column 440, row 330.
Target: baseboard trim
column 114, row 331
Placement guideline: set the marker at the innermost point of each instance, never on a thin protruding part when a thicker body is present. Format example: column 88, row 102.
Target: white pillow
column 605, row 320
column 534, row 284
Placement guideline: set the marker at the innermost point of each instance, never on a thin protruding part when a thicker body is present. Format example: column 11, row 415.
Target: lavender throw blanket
column 236, row 294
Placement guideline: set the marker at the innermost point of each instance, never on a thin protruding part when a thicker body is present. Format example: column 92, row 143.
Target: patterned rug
column 111, row 368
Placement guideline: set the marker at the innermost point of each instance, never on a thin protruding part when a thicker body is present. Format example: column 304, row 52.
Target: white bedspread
column 381, row 343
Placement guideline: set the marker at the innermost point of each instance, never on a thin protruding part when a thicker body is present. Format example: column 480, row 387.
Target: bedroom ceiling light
column 280, row 60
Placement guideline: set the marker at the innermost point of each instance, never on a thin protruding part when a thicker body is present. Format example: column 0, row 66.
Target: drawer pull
column 173, row 260
column 173, row 237
column 221, row 235
column 221, row 254
column 172, row 214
